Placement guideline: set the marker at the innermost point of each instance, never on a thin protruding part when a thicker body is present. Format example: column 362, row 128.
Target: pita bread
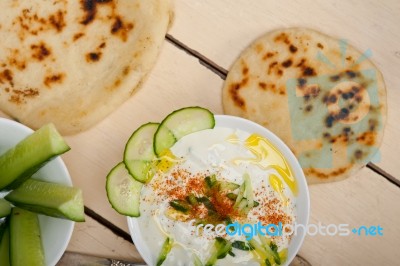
column 73, row 62
column 321, row 96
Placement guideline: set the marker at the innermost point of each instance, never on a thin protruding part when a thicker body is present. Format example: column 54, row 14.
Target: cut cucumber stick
column 25, row 243
column 179, row 124
column 221, row 249
column 29, row 155
column 4, row 244
column 50, row 199
column 123, row 191
column 139, row 155
column 5, row 208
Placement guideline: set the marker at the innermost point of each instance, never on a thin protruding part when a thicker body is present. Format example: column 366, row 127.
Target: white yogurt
column 229, row 154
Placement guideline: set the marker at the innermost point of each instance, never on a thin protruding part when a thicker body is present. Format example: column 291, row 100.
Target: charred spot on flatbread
column 31, row 23
column 90, row 9
column 121, row 28
column 237, row 99
column 93, row 57
column 327, row 174
column 287, row 63
column 77, row 36
column 40, row 51
column 6, row 76
column 20, row 96
column 292, row 48
column 52, row 79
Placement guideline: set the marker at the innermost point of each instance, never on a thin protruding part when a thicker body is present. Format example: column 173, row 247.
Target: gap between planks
column 214, row 67
column 222, row 73
column 103, row 221
column 384, row 174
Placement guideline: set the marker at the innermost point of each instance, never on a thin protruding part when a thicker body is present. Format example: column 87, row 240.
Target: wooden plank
column 364, row 199
column 220, row 30
column 92, row 238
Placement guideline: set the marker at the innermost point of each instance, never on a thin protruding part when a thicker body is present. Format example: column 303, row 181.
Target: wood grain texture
column 220, row 30
column 92, row 238
column 364, row 199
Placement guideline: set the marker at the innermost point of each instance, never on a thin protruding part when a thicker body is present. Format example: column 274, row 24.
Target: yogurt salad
column 210, row 195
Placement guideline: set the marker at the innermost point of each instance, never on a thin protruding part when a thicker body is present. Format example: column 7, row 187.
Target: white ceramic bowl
column 55, row 233
column 302, row 200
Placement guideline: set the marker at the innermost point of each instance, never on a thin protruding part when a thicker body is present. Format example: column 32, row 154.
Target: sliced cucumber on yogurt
column 139, row 153
column 123, row 191
column 179, row 124
column 143, row 156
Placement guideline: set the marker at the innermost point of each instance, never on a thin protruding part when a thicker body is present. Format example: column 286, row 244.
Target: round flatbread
column 73, row 62
column 322, row 97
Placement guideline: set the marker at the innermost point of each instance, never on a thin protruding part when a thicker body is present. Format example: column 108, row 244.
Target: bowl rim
column 228, row 121
column 45, row 221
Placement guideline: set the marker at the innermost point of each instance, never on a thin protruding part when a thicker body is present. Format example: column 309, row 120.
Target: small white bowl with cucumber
column 38, row 205
column 144, row 174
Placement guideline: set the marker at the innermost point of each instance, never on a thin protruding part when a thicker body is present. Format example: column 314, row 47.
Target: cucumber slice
column 166, row 248
column 192, row 199
column 248, row 190
column 29, row 155
column 165, row 140
column 265, row 252
column 221, row 248
column 283, row 255
column 271, row 248
column 245, row 199
column 5, row 208
column 49, row 199
column 232, row 196
column 181, row 123
column 240, row 195
column 180, row 205
column 226, row 185
column 25, row 243
column 139, row 154
column 196, row 260
column 210, row 181
column 123, row 191
column 4, row 245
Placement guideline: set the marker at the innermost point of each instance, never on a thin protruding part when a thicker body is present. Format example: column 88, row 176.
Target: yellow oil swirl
column 277, row 185
column 267, row 156
column 166, row 161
